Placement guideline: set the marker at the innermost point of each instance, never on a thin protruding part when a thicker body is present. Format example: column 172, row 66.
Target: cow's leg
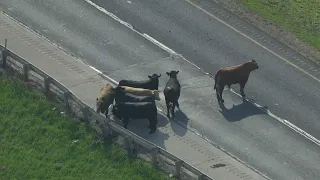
column 221, row 87
column 177, row 104
column 149, row 126
column 242, row 85
column 173, row 106
column 125, row 122
column 218, row 93
column 150, row 123
column 153, row 122
column 168, row 107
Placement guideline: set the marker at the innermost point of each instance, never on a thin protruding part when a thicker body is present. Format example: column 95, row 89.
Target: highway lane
column 210, row 45
column 248, row 133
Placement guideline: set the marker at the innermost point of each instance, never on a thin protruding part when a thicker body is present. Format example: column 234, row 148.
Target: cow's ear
column 159, row 75
column 253, row 60
column 149, row 77
column 97, row 99
column 168, row 73
column 177, row 72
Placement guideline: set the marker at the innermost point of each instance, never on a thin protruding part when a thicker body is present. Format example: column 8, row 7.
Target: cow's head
column 103, row 102
column 154, row 76
column 99, row 105
column 252, row 65
column 172, row 74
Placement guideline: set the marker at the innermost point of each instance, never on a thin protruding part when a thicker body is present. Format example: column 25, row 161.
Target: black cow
column 137, row 110
column 152, row 83
column 172, row 92
column 121, row 97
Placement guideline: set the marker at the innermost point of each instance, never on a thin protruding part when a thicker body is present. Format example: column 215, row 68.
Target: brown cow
column 233, row 75
column 105, row 99
column 141, row 92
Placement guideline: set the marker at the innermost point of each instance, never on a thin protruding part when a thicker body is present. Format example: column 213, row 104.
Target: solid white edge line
column 285, row 122
column 146, row 36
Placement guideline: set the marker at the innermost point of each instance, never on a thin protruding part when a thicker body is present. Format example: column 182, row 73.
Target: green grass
column 37, row 142
column 301, row 17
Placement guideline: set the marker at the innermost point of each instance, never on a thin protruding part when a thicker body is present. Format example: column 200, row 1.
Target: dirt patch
column 272, row 29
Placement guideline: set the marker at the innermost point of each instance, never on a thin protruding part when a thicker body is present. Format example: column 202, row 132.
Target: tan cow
column 233, row 75
column 105, row 99
column 141, row 92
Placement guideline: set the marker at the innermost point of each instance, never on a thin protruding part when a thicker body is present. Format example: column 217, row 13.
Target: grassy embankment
column 37, row 142
column 301, row 17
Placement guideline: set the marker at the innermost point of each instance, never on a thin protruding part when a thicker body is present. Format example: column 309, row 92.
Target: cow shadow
column 240, row 111
column 139, row 127
column 183, row 119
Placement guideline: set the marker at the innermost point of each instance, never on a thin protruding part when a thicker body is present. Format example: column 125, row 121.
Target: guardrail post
column 85, row 112
column 47, row 81
column 110, row 132
column 127, row 145
column 66, row 96
column 4, row 55
column 26, row 72
column 4, row 58
column 201, row 177
column 177, row 168
column 154, row 153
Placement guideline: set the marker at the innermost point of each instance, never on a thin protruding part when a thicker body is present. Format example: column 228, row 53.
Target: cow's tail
column 216, row 79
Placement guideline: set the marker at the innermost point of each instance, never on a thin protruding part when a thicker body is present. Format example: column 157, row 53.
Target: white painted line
column 146, row 36
column 159, row 44
column 110, row 14
column 285, row 122
column 277, row 55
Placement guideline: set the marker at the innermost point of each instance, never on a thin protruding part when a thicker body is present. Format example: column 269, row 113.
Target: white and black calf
column 172, row 92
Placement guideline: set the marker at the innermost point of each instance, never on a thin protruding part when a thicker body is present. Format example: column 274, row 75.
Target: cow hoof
column 152, row 131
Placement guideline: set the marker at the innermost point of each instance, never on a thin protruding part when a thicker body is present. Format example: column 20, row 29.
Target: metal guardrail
column 106, row 123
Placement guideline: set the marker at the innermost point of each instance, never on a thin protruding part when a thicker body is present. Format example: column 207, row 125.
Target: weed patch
column 301, row 17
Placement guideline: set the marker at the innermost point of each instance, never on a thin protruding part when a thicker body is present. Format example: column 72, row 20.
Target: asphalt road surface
column 243, row 129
